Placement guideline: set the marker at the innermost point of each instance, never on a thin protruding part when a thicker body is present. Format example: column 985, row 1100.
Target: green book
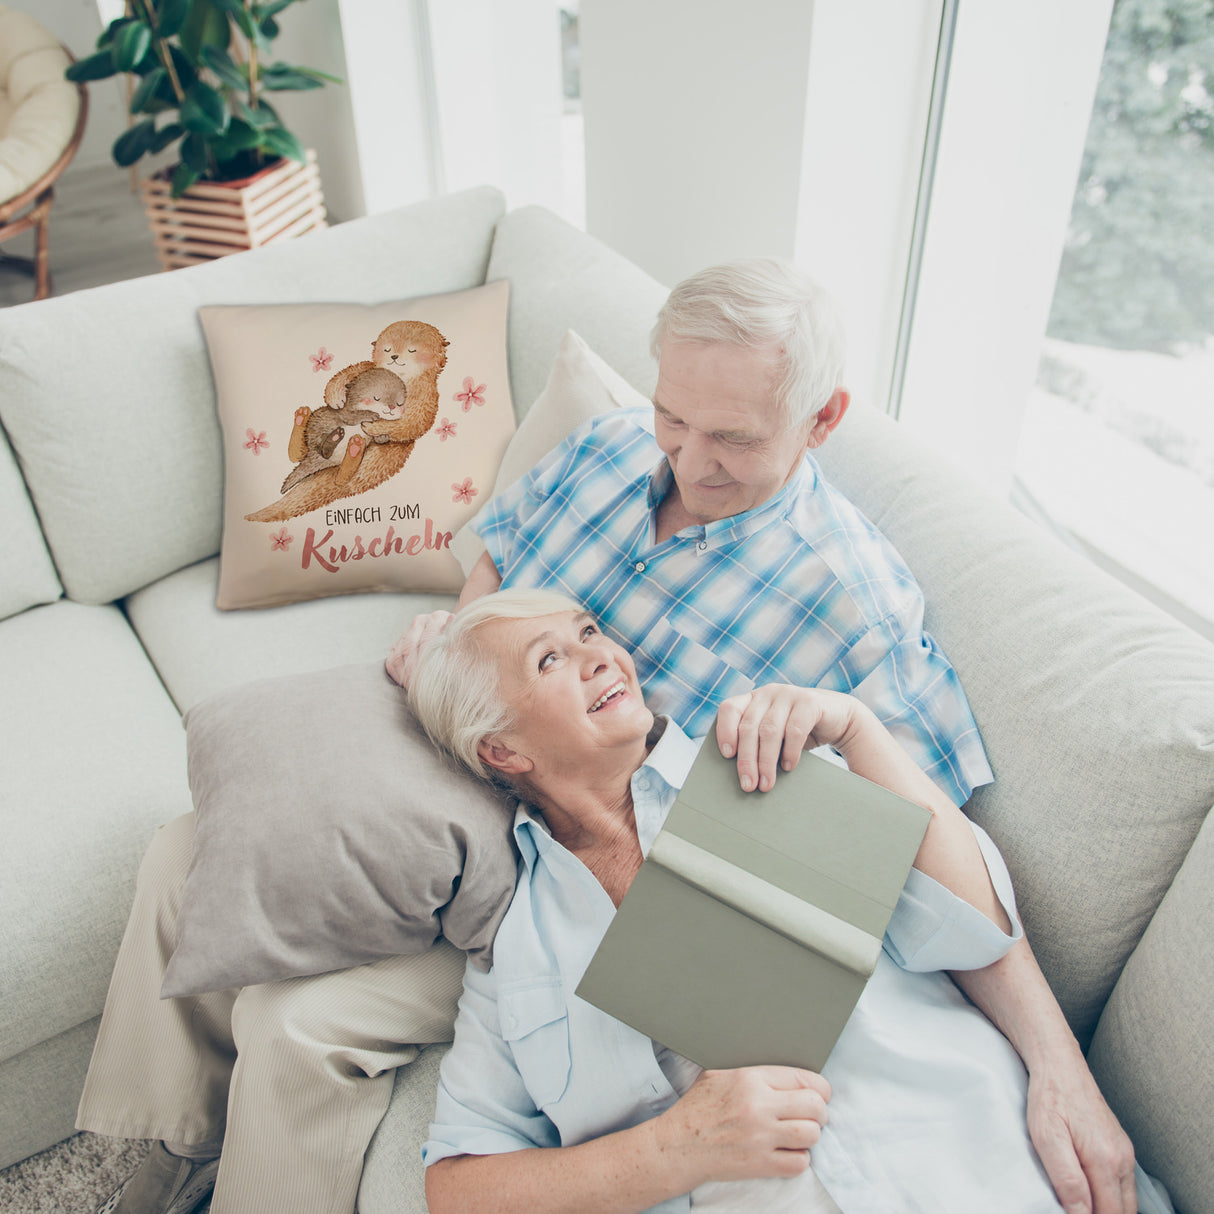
column 757, row 918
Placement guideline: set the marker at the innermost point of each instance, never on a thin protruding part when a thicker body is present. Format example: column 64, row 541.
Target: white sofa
column 1097, row 711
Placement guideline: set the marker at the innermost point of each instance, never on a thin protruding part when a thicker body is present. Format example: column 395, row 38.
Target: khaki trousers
column 293, row 1076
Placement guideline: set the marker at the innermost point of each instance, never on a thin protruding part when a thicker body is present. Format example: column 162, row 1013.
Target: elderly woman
column 547, row 1103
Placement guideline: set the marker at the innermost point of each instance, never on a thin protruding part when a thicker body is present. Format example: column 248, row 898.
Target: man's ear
column 829, row 416
column 501, row 758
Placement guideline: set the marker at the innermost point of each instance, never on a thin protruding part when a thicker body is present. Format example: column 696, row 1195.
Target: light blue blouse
column 928, row 1104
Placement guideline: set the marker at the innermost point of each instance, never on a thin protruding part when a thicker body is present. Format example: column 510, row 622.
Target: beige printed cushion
column 357, row 440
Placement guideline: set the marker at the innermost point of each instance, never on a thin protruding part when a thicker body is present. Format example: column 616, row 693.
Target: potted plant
column 201, row 71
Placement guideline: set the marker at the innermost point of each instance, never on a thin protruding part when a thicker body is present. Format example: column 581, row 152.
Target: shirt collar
column 737, row 526
column 655, row 785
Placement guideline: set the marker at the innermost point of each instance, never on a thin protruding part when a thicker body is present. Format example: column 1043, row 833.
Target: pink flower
column 473, row 394
column 464, row 493
column 446, row 430
column 256, row 441
column 280, row 540
column 321, row 359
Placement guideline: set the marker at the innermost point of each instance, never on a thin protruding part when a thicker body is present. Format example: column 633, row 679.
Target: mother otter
column 417, row 353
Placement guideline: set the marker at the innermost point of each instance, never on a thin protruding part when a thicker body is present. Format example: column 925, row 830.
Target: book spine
column 802, row 922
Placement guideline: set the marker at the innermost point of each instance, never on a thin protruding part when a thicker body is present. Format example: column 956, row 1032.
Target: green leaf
column 281, row 142
column 241, row 137
column 261, row 118
column 225, row 67
column 110, row 32
column 166, row 135
column 269, row 30
column 132, row 144
column 278, row 78
column 171, row 16
column 205, row 26
column 183, row 178
column 95, row 67
column 131, row 44
column 144, row 98
column 195, row 154
column 237, row 12
column 203, row 111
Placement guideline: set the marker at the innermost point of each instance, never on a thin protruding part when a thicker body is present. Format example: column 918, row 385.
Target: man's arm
column 1087, row 1155
column 484, row 579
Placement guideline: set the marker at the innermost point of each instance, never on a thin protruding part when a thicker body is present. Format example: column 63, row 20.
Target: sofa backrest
column 108, row 399
column 27, row 574
column 561, row 279
column 1097, row 712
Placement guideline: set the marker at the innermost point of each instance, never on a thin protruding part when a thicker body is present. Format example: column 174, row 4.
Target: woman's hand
column 402, row 659
column 770, row 727
column 751, row 1122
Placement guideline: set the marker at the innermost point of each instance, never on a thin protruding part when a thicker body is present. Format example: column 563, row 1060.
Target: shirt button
column 702, row 545
column 639, row 566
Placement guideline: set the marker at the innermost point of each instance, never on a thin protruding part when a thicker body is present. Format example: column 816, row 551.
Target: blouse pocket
column 535, row 1024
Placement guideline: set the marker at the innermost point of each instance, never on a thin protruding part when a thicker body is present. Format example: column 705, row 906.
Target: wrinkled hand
column 770, row 727
column 751, row 1122
column 403, row 655
column 1086, row 1154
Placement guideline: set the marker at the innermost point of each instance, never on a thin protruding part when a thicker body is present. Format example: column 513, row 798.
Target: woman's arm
column 769, row 728
column 730, row 1125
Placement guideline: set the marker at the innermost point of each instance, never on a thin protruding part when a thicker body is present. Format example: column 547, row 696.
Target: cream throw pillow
column 580, row 386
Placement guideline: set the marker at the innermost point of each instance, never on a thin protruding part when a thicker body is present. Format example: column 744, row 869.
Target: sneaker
column 164, row 1184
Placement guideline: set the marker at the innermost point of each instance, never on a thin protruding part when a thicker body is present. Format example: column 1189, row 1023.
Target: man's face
column 716, row 419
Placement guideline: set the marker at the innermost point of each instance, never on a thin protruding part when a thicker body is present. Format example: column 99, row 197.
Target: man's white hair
column 455, row 692
column 763, row 303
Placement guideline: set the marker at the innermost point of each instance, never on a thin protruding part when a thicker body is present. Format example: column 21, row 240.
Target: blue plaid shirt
column 802, row 589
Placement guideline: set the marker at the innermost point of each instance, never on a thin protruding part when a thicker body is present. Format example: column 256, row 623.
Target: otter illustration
column 415, row 353
column 317, row 434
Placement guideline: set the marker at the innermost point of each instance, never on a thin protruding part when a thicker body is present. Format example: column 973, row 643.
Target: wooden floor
column 98, row 234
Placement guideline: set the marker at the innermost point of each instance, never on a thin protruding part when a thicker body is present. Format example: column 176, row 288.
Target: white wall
column 870, row 82
column 1020, row 96
column 497, row 70
column 694, row 125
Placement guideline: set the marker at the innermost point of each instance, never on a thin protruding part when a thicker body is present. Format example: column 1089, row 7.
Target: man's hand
column 403, row 656
column 1087, row 1155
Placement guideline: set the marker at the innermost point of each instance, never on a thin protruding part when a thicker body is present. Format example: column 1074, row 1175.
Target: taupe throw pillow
column 330, row 833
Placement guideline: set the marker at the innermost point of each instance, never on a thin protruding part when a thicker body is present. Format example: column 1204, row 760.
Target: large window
column 1117, row 443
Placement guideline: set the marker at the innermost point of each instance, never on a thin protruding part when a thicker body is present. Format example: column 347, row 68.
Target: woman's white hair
column 454, row 691
column 763, row 303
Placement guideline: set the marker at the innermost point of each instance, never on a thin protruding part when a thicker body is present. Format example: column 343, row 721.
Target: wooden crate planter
column 213, row 219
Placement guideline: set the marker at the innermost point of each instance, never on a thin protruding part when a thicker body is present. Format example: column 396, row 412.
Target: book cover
column 755, row 921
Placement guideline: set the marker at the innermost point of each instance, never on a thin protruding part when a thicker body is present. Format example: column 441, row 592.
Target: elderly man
column 704, row 538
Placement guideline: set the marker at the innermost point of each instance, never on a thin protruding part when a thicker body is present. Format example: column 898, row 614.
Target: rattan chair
column 42, row 117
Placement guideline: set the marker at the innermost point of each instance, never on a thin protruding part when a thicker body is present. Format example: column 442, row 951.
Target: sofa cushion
column 29, row 574
column 134, row 491
column 1097, row 711
column 313, row 505
column 393, row 1179
column 199, row 650
column 562, row 279
column 1152, row 1054
column 329, row 832
column 94, row 760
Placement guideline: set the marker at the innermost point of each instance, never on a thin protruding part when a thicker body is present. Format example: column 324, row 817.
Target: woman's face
column 573, row 692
